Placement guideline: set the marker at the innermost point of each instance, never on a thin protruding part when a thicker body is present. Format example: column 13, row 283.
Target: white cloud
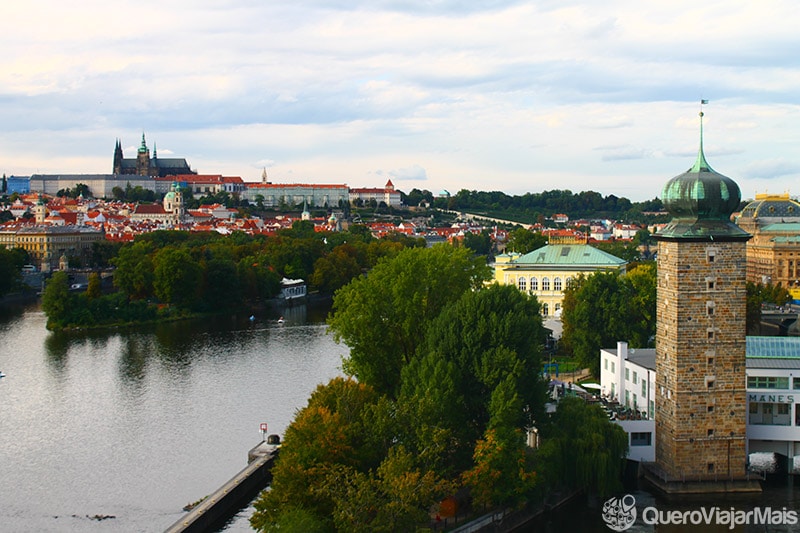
column 504, row 95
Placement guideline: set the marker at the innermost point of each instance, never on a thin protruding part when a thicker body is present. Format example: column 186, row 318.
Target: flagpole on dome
column 701, row 164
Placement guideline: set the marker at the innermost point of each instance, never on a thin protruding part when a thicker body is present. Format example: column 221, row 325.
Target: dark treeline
column 178, row 273
column 535, row 207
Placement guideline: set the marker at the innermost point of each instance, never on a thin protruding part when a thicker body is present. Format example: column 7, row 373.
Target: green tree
column 134, row 271
column 177, row 277
column 604, row 308
column 336, row 269
column 383, row 317
column 57, row 300
column 481, row 243
column 582, row 449
column 11, row 262
column 493, row 338
column 222, row 288
column 93, row 290
column 522, row 241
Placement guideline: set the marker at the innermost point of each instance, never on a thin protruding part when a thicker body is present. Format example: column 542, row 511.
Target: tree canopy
column 603, row 308
column 383, row 316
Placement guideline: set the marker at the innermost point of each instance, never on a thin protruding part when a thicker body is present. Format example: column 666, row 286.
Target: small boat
column 280, row 320
column 252, row 318
column 2, row 375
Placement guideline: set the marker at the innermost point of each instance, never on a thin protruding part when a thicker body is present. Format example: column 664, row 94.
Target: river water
column 137, row 424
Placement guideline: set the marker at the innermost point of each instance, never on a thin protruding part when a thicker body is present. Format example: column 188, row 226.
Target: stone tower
column 143, row 159
column 700, row 336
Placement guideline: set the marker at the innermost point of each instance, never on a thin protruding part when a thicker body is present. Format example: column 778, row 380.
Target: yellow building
column 773, row 254
column 47, row 244
column 545, row 272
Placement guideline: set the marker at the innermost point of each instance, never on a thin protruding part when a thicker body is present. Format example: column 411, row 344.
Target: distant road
column 471, row 216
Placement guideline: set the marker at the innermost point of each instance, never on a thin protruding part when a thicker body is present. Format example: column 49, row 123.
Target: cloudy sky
column 432, row 94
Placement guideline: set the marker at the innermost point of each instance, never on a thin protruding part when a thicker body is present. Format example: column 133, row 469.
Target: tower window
column 710, row 308
column 710, row 468
column 711, row 334
column 710, row 408
column 710, row 432
column 711, row 255
column 711, row 284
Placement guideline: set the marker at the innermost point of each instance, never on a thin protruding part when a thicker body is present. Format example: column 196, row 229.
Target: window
column 754, row 408
column 521, row 284
column 545, row 284
column 644, row 387
column 710, row 433
column 545, row 309
column 710, row 361
column 711, row 285
column 796, row 383
column 710, row 468
column 642, row 439
column 556, row 284
column 605, row 364
column 710, row 382
column 627, row 374
column 711, row 255
column 635, row 378
column 612, row 366
column 627, row 398
column 783, row 408
column 710, row 408
column 711, row 334
column 534, row 284
column 767, row 382
column 710, row 308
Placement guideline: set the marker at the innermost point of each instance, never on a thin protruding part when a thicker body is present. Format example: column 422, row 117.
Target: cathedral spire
column 143, row 147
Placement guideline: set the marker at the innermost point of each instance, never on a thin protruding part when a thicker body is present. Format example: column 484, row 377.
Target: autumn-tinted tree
column 383, row 317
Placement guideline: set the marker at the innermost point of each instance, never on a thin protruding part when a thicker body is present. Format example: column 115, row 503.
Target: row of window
column 770, row 382
column 522, row 283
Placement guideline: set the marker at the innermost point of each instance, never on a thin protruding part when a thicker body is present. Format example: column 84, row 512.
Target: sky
column 498, row 95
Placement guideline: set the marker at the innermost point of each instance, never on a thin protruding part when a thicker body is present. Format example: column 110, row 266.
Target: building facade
column 700, row 335
column 772, row 367
column 773, row 254
column 545, row 272
column 47, row 244
column 295, row 194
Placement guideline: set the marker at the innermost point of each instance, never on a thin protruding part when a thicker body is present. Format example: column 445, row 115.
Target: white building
column 773, row 375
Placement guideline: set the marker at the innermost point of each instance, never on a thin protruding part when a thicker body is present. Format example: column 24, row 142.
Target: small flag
column 703, row 102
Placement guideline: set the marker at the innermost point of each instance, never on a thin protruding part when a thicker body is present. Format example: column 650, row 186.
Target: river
column 134, row 425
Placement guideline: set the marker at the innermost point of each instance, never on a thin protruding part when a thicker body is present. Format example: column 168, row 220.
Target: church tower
column 118, row 158
column 701, row 443
column 143, row 159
